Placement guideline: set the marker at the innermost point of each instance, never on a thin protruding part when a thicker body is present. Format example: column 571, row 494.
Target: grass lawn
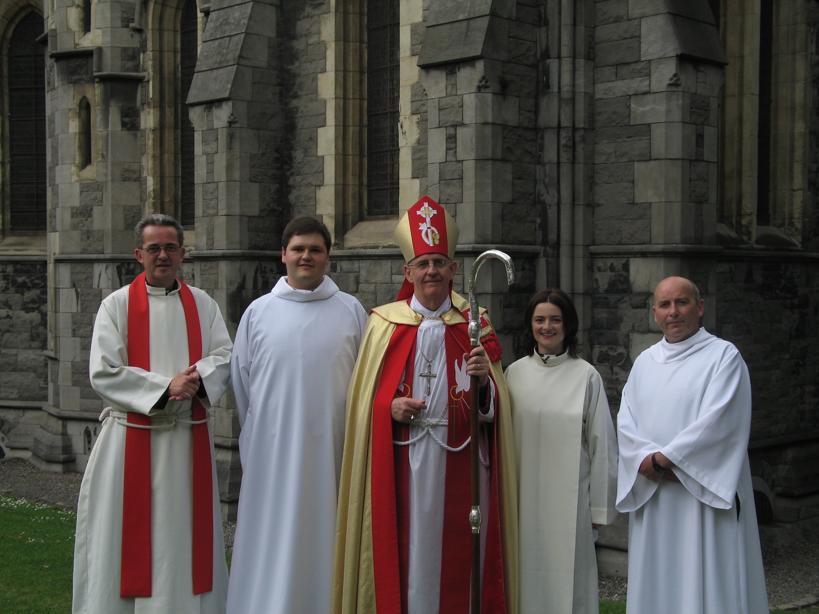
column 36, row 547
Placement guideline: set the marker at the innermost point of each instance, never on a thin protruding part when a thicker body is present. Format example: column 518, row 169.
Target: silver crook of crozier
column 474, row 317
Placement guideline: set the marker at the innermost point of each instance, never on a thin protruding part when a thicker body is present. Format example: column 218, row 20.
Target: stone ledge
column 752, row 253
column 649, row 249
column 457, row 41
column 119, row 76
column 23, row 247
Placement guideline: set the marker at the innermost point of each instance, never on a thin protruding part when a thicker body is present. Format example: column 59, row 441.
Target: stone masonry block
column 239, row 198
column 634, row 70
column 434, row 81
column 69, row 397
column 219, row 53
column 658, row 39
column 675, row 222
column 487, row 180
column 263, row 18
column 470, row 74
column 673, row 140
column 624, row 87
column 479, row 222
column 647, row 8
column 646, row 273
column 375, row 271
column 450, row 111
column 69, row 348
column 488, row 108
column 605, row 73
column 710, row 144
column 606, row 174
column 67, row 300
column 661, row 107
column 611, row 11
column 618, row 31
column 432, row 113
column 450, row 191
column 479, row 142
column 436, row 145
column 618, row 52
column 618, row 150
column 228, row 21
column 660, row 181
column 612, row 112
column 664, row 73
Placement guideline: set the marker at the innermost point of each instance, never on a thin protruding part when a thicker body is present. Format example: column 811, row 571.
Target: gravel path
column 791, row 564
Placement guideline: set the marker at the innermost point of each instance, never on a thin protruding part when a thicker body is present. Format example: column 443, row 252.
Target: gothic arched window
column 26, row 127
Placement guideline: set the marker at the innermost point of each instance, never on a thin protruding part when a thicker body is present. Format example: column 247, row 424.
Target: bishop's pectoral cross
column 429, row 376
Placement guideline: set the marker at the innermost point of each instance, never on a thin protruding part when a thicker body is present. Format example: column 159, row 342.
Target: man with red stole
column 149, row 532
column 403, row 542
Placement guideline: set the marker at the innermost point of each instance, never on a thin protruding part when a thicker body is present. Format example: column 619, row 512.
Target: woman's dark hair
column 561, row 300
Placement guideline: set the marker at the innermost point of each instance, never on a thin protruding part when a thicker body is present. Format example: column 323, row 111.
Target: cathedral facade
column 603, row 144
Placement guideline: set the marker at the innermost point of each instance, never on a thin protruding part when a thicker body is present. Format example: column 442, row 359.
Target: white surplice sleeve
column 709, row 454
column 214, row 366
column 633, row 489
column 602, row 452
column 240, row 366
column 128, row 388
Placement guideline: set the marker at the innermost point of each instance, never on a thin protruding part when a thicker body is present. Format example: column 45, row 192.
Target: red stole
column 135, row 563
column 389, row 490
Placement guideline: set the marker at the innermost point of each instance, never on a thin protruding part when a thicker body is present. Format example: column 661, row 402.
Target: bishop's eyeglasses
column 436, row 263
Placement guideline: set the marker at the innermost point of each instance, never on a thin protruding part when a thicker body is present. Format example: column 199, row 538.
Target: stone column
column 92, row 210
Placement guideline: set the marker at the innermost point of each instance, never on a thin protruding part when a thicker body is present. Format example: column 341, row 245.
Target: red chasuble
column 135, row 564
column 389, row 480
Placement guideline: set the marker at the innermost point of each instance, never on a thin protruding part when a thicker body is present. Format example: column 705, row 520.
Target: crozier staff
column 403, row 534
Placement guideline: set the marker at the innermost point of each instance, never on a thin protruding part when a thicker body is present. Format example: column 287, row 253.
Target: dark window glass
column 187, row 51
column 715, row 10
column 86, row 15
column 27, row 161
column 382, row 108
column 84, row 158
column 763, row 185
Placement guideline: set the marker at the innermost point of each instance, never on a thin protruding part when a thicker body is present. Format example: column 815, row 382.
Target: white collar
column 550, row 360
column 323, row 291
column 663, row 351
column 430, row 314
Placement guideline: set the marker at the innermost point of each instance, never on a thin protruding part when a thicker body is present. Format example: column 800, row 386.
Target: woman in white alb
column 567, row 461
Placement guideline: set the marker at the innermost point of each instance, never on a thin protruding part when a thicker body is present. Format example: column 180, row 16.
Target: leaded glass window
column 27, row 127
column 188, row 51
column 382, row 108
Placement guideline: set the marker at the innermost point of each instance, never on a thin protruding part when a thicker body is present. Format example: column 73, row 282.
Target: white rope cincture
column 159, row 422
column 425, row 428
